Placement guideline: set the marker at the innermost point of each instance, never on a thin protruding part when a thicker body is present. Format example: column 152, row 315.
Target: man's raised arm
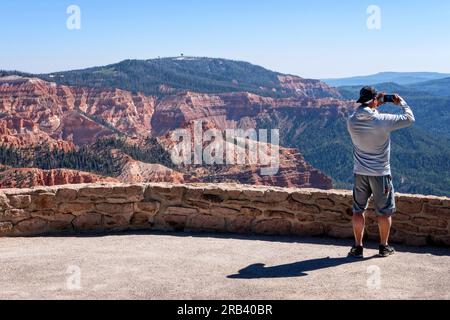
column 398, row 121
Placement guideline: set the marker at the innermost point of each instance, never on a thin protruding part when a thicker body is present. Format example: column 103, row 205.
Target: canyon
column 38, row 114
column 117, row 121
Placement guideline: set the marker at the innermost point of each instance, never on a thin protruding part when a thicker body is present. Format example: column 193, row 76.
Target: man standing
column 370, row 132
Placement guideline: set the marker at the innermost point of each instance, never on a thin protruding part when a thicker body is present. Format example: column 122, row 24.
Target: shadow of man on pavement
column 297, row 269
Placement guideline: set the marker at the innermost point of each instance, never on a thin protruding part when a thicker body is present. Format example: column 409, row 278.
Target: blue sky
column 316, row 39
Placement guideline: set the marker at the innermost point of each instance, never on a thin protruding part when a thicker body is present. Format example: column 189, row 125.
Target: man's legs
column 384, row 200
column 359, row 223
column 384, row 224
column 361, row 195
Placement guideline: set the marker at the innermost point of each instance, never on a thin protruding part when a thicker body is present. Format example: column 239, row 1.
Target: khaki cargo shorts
column 382, row 190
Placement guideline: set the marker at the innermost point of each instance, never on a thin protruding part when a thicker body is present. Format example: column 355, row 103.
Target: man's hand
column 397, row 99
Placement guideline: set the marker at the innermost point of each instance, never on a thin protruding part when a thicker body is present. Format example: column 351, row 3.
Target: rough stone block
column 207, row 223
column 250, row 211
column 273, row 227
column 45, row 214
column 401, row 217
column 325, row 203
column 43, row 201
column 66, row 195
column 6, row 228
column 116, row 221
column 75, row 208
column 141, row 219
column 405, row 227
column 373, row 230
column 221, row 211
column 398, row 236
column 303, row 197
column 32, row 226
column 279, row 214
column 94, row 193
column 176, row 222
column 416, row 241
column 436, row 211
column 133, row 193
column 4, row 201
column 295, row 206
column 307, row 229
column 113, row 209
column 341, row 232
column 240, row 224
column 274, row 196
column 88, row 222
column 147, row 207
column 14, row 215
column 212, row 198
column 197, row 204
column 424, row 222
column 409, row 207
column 332, row 213
column 253, row 195
column 181, row 211
column 301, row 217
column 441, row 240
column 234, row 194
column 61, row 222
column 164, row 193
column 20, row 201
column 63, row 218
column 194, row 193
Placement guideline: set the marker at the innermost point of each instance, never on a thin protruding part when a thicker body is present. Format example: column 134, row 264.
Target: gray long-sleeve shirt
column 371, row 136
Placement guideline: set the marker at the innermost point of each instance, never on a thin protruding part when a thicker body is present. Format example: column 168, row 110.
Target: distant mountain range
column 115, row 120
column 165, row 76
column 402, row 78
column 440, row 87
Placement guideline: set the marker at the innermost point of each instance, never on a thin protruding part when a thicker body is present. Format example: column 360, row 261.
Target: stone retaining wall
column 220, row 208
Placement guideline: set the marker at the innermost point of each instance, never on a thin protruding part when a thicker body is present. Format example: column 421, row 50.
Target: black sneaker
column 357, row 252
column 386, row 251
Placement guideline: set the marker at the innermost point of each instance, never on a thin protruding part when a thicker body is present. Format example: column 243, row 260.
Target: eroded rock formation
column 34, row 113
column 32, row 177
column 240, row 110
column 80, row 115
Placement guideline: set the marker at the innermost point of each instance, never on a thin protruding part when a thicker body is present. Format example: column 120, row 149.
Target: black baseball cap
column 366, row 94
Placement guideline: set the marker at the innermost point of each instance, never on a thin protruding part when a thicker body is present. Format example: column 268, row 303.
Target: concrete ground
column 206, row 266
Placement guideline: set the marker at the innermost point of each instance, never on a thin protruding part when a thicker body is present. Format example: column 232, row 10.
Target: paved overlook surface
column 207, row 266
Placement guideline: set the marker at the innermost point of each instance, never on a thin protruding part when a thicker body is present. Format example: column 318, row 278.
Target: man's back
column 370, row 132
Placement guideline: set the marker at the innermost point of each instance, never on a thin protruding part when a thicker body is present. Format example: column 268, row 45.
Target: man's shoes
column 386, row 251
column 356, row 252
